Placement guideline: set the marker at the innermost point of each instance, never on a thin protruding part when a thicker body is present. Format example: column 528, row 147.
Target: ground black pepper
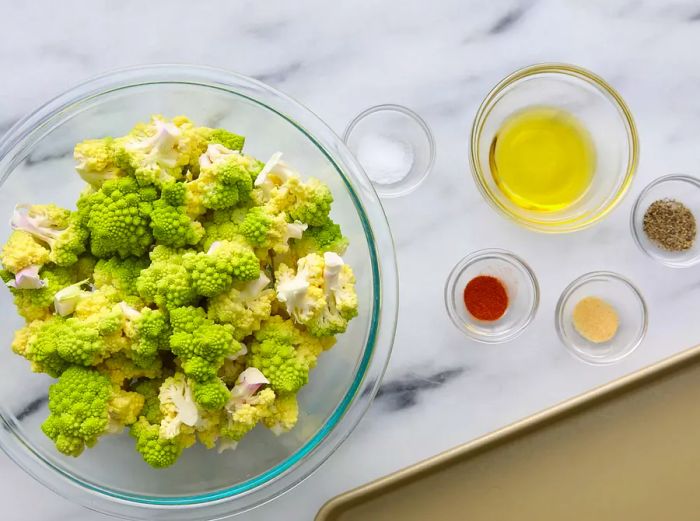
column 670, row 224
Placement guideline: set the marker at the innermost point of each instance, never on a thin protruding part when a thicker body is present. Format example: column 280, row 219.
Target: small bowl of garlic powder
column 601, row 317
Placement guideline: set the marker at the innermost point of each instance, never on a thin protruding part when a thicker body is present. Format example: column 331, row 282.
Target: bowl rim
column 405, row 188
column 535, row 70
column 369, row 368
column 636, row 208
column 476, row 256
column 566, row 295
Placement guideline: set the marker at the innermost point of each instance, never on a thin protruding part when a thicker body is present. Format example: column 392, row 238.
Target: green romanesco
column 281, row 189
column 273, row 353
column 148, row 331
column 321, row 239
column 95, row 161
column 268, row 230
column 166, row 282
column 118, row 218
column 150, row 390
column 201, row 344
column 213, row 271
column 157, row 451
column 120, row 274
column 83, row 406
column 225, row 179
column 170, row 223
column 222, row 225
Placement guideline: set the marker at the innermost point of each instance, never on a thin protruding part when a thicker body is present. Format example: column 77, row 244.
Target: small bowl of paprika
column 492, row 296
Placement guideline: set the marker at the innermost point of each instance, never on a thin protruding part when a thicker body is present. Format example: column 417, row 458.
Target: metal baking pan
column 627, row 450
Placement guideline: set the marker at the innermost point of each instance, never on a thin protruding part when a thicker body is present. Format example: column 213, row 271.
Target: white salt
column 385, row 160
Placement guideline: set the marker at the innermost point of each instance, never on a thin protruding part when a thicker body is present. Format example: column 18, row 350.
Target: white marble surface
column 439, row 58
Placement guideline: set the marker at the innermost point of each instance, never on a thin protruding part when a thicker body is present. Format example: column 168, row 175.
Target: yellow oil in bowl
column 543, row 159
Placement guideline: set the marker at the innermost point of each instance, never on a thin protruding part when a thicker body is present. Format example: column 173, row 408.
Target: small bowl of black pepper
column 664, row 220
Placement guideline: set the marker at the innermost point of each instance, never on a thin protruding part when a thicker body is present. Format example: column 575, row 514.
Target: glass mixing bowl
column 36, row 166
column 596, row 105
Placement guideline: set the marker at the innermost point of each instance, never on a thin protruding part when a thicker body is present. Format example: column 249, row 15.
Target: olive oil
column 543, row 159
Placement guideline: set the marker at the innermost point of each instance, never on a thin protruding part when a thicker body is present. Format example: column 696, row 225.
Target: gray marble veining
column 341, row 57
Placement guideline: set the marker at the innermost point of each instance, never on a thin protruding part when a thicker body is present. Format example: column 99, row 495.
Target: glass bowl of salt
column 394, row 146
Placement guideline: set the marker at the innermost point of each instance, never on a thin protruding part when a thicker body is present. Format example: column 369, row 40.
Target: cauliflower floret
column 177, row 406
column 244, row 306
column 320, row 295
column 155, row 152
column 60, row 229
column 95, row 161
column 302, row 291
column 21, row 251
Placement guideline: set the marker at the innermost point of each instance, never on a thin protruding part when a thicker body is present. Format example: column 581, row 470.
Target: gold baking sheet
column 629, row 450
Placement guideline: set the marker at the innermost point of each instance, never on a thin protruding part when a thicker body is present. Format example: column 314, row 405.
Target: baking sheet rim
column 515, row 429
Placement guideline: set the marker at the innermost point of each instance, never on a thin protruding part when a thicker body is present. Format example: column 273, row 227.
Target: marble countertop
column 440, row 60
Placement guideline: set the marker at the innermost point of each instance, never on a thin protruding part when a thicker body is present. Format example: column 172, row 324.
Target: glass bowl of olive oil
column 554, row 148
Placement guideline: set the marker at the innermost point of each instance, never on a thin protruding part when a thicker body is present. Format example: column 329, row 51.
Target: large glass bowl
column 36, row 166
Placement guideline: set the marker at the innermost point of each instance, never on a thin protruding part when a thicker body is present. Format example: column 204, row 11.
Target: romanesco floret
column 243, row 417
column 148, row 331
column 201, row 344
column 225, row 179
column 213, row 271
column 95, row 161
column 118, row 218
column 169, row 221
column 321, row 239
column 150, row 390
column 157, row 451
column 268, row 230
column 188, row 297
column 273, row 353
column 222, row 225
column 121, row 369
column 120, row 274
column 166, row 282
column 84, row 405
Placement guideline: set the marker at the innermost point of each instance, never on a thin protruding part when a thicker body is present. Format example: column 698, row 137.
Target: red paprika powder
column 486, row 298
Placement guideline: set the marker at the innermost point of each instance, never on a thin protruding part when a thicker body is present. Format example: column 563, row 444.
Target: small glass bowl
column 596, row 105
column 622, row 295
column 682, row 188
column 394, row 146
column 521, row 286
